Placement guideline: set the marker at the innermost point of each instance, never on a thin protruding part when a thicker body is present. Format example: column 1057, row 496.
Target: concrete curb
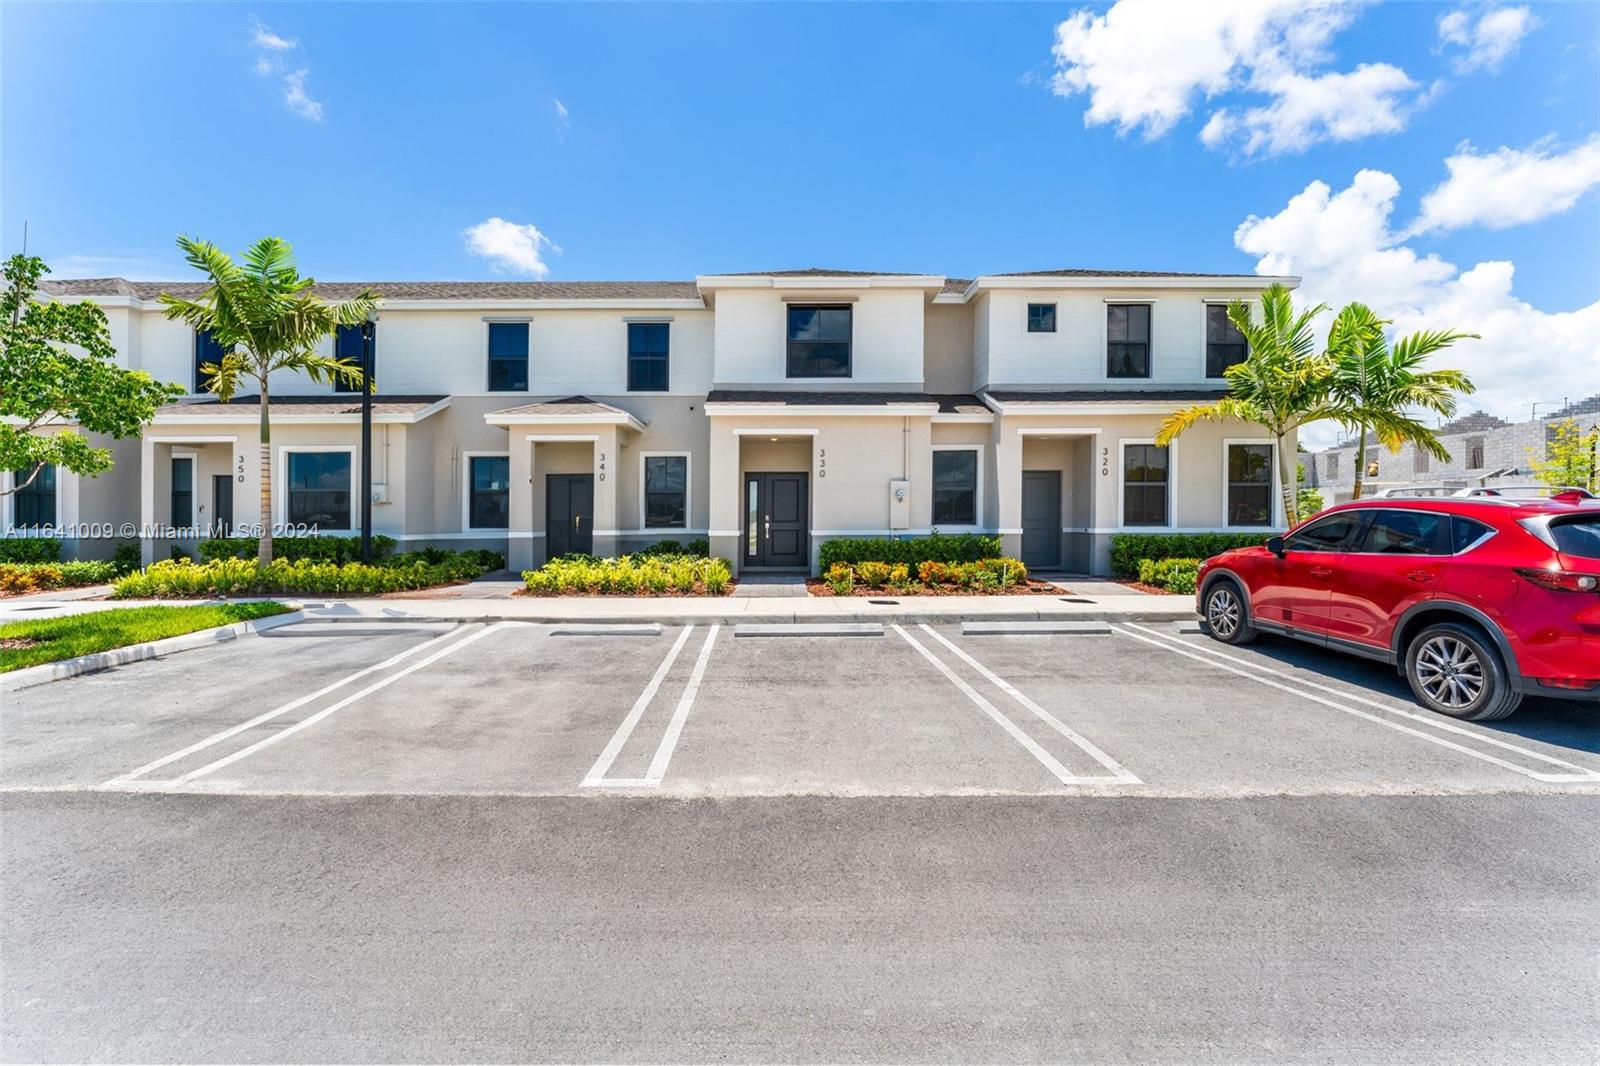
column 133, row 653
column 1174, row 614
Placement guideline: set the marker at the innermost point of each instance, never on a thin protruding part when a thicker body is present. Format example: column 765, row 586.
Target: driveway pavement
column 507, row 841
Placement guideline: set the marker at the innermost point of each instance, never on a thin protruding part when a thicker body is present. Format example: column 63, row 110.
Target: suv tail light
column 1561, row 580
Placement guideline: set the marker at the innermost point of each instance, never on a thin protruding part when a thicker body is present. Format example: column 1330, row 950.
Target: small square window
column 1041, row 318
column 819, row 341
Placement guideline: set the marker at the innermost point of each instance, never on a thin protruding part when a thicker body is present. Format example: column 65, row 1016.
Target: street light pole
column 366, row 441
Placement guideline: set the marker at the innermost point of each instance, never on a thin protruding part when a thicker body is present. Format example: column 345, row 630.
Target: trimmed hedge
column 242, row 577
column 699, row 548
column 912, row 551
column 322, row 549
column 21, row 578
column 1128, row 548
column 631, row 575
column 1174, row 575
column 29, row 550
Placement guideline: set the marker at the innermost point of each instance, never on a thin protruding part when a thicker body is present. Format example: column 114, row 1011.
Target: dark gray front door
column 776, row 531
column 1041, row 518
column 568, row 514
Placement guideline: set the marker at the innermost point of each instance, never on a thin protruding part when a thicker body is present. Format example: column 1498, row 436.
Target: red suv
column 1477, row 601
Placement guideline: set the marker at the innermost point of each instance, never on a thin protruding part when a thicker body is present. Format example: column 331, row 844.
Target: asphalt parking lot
column 1134, row 709
column 505, row 842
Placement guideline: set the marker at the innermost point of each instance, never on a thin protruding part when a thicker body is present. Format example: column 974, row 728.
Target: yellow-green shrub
column 630, row 575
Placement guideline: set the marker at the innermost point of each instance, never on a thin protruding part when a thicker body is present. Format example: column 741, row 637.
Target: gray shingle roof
column 404, row 290
column 1107, row 395
column 1081, row 272
column 816, row 272
column 809, row 398
column 314, row 404
column 570, row 405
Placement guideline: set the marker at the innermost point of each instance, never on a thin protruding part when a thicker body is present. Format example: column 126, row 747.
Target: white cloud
column 1489, row 40
column 1146, row 64
column 133, row 265
column 1342, row 245
column 563, row 120
column 272, row 54
column 509, row 246
column 1508, row 187
column 296, row 98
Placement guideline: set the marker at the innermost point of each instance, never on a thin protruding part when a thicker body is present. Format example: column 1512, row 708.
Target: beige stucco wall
column 947, row 348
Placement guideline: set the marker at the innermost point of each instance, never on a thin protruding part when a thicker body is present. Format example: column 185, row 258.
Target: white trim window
column 957, row 486
column 1249, row 483
column 180, row 489
column 317, row 485
column 664, row 490
column 1128, row 340
column 1225, row 345
column 486, row 492
column 36, row 508
column 509, row 347
column 1145, row 484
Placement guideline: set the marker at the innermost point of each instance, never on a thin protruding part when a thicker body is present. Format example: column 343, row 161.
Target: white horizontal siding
column 752, row 338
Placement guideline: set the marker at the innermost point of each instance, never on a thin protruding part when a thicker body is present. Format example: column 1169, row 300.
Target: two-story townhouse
column 765, row 411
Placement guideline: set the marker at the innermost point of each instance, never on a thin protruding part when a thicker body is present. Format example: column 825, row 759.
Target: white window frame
column 1105, row 337
column 977, row 503
column 193, row 459
column 1274, row 493
column 280, row 497
column 9, row 501
column 688, row 492
column 1205, row 311
column 1055, row 305
column 1172, row 479
column 466, row 494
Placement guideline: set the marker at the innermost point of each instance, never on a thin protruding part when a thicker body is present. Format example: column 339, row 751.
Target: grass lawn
column 47, row 640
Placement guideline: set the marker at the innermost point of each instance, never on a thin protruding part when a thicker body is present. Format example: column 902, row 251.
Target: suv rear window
column 1577, row 536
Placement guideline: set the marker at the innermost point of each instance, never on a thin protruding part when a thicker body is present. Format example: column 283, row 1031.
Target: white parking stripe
column 602, row 765
column 311, row 720
column 1051, row 763
column 1299, row 688
column 1120, row 772
column 1434, row 721
column 217, row 738
column 658, row 765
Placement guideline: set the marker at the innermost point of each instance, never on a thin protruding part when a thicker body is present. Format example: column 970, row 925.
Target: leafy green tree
column 58, row 368
column 1282, row 384
column 1307, row 499
column 263, row 315
column 1374, row 385
column 1569, row 458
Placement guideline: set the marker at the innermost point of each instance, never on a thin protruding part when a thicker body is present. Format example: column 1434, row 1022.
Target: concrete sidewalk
column 726, row 610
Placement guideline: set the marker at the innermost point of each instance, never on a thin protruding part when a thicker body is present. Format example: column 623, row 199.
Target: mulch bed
column 1139, row 586
column 18, row 643
column 818, row 587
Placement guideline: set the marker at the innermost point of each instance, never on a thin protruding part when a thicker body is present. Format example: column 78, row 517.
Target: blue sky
column 954, row 139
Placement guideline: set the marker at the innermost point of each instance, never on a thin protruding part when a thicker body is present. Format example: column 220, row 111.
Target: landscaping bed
column 181, row 578
column 641, row 574
column 982, row 577
column 47, row 640
column 34, row 564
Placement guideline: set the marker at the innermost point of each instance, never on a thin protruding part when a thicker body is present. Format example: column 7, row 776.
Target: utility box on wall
column 899, row 504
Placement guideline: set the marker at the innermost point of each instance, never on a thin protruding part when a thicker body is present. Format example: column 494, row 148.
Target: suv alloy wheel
column 1455, row 670
column 1227, row 618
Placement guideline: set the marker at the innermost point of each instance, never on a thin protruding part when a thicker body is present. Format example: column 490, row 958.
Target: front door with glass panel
column 776, row 528
column 569, row 514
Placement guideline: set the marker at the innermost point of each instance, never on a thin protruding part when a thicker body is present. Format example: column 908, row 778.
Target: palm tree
column 1374, row 384
column 1281, row 385
column 264, row 317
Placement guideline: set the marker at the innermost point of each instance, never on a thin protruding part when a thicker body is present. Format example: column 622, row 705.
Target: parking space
column 510, row 708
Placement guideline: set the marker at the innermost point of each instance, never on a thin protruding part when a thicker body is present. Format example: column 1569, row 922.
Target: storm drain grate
column 885, row 603
column 1073, row 599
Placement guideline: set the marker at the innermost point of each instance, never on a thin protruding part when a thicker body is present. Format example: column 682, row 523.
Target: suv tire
column 1226, row 615
column 1455, row 669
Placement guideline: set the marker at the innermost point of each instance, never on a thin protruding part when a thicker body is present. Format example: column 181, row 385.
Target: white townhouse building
column 767, row 412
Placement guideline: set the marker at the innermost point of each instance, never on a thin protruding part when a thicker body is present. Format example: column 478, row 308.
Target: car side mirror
column 1275, row 546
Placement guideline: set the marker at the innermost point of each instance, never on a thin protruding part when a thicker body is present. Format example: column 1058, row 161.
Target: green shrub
column 1174, row 575
column 1128, row 548
column 322, row 549
column 21, row 549
column 841, row 579
column 22, row 578
column 242, row 577
column 127, row 559
column 899, row 575
column 873, row 574
column 630, row 575
column 937, row 547
column 1183, row 582
column 699, row 548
